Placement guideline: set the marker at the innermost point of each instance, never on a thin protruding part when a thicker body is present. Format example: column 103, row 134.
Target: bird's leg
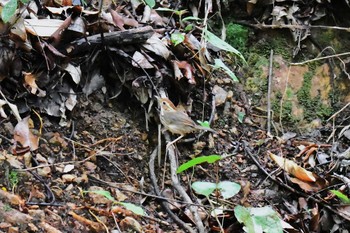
column 172, row 142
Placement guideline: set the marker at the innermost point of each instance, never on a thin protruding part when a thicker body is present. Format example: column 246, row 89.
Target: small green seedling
column 258, row 220
column 227, row 188
column 345, row 199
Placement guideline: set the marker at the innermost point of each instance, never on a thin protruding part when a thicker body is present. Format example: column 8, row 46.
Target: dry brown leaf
column 308, row 186
column 30, row 83
column 42, row 27
column 117, row 19
column 24, row 136
column 293, row 168
column 139, row 60
column 155, row 45
column 18, row 30
column 187, row 70
column 130, row 224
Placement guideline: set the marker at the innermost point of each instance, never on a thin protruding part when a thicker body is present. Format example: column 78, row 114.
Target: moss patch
column 237, row 36
column 313, row 107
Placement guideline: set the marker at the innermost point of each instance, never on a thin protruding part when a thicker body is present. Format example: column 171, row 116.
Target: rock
column 220, row 95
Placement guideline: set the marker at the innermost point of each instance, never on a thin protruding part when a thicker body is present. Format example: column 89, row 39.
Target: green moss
column 313, row 107
column 287, row 109
column 279, row 44
column 237, row 36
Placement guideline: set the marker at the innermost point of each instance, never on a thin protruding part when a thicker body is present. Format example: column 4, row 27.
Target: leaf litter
column 96, row 105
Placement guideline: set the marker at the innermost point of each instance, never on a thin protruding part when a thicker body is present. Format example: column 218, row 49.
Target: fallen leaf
column 24, row 136
column 139, row 60
column 30, row 83
column 293, row 168
column 75, row 72
column 154, row 44
column 187, row 70
column 130, row 224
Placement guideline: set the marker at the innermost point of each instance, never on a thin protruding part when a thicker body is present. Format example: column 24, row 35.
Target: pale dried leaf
column 154, row 44
column 129, row 224
column 13, row 161
column 292, row 168
column 146, row 16
column 78, row 26
column 24, row 136
column 19, row 30
column 139, row 60
column 187, row 71
column 68, row 168
column 68, row 178
column 2, row 112
column 75, row 72
column 71, row 101
column 117, row 19
column 42, row 27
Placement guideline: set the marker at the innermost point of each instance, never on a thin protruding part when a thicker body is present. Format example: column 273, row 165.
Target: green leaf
column 267, row 218
column 150, row 3
column 188, row 28
column 228, row 189
column 243, row 216
column 177, row 38
column 191, row 18
column 217, row 42
column 24, row 1
column 341, row 196
column 198, row 160
column 104, row 193
column 258, row 220
column 204, row 188
column 165, row 9
column 134, row 208
column 240, row 116
column 204, row 124
column 220, row 65
column 8, row 10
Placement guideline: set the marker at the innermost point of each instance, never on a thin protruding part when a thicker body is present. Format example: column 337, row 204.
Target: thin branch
column 177, row 185
column 342, row 109
column 269, row 95
column 163, row 202
column 319, row 58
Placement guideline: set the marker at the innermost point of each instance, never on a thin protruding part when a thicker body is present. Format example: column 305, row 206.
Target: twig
column 269, row 95
column 179, row 188
column 164, row 203
column 289, row 26
column 342, row 109
column 319, row 58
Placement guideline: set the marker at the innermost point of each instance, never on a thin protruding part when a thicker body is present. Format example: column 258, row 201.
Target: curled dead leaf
column 24, row 136
column 293, row 168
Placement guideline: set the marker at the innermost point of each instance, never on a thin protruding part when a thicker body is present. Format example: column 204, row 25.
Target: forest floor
column 85, row 155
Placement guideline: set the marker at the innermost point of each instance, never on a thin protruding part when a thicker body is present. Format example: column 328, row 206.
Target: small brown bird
column 177, row 121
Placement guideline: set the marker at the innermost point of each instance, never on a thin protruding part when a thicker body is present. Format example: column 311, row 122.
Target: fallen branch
column 163, row 202
column 179, row 188
column 132, row 36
